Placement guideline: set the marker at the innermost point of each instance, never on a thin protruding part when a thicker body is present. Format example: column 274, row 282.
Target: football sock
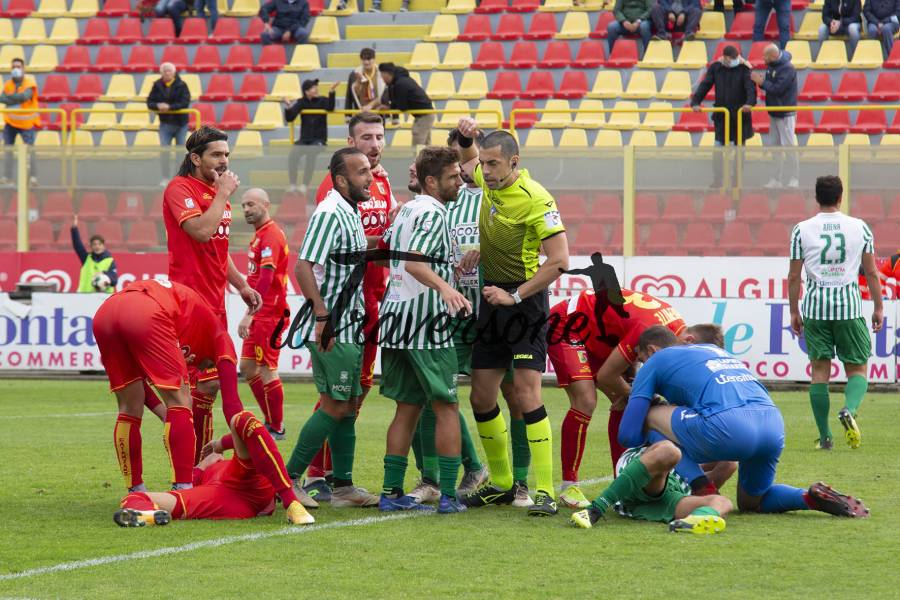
column 342, row 442
column 782, row 498
column 521, row 453
column 394, row 474
column 630, row 481
column 573, row 434
column 180, row 441
column 259, row 392
column 315, row 431
column 151, row 400
column 430, row 464
column 127, row 439
column 818, row 398
column 857, row 385
column 203, row 423
column 138, row 501
column 317, row 465
column 494, row 439
column 540, row 442
column 265, row 455
column 612, row 432
column 416, row 445
column 706, row 511
column 449, row 469
column 469, row 453
column 275, row 400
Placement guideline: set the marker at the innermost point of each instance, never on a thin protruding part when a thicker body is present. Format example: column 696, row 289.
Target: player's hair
column 367, row 54
column 509, row 147
column 338, row 164
column 432, row 161
column 707, row 333
column 363, row 117
column 197, row 143
column 98, row 237
column 829, row 190
column 454, row 135
column 658, row 335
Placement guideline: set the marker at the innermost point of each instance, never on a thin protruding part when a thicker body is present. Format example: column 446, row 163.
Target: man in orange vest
column 20, row 92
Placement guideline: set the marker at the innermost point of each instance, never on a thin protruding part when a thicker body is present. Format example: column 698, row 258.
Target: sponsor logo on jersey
column 266, row 252
column 189, row 202
column 723, row 379
column 551, row 219
column 206, row 196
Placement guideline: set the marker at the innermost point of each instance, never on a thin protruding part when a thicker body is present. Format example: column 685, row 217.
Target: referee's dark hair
column 509, row 147
column 432, row 161
column 338, row 164
column 829, row 190
column 454, row 135
column 197, row 144
column 659, row 336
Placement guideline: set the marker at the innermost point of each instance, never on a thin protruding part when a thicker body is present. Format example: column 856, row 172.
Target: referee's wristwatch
column 516, row 297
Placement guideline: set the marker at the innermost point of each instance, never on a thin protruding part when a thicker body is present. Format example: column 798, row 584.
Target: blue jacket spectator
column 286, row 21
column 780, row 84
column 882, row 21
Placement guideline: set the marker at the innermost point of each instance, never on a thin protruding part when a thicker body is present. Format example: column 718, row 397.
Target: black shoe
column 318, row 490
column 544, row 505
column 276, row 435
column 488, row 494
column 829, row 500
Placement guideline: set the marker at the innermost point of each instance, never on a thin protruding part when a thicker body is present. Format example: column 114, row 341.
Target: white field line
column 61, row 416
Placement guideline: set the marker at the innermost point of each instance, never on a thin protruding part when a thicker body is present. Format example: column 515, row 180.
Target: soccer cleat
column 826, row 499
column 574, row 498
column 585, row 519
column 318, row 489
column 472, row 480
column 488, row 494
column 276, row 434
column 388, row 504
column 297, row 515
column 544, row 505
column 699, row 524
column 305, row 499
column 351, row 496
column 425, row 492
column 448, row 505
column 129, row 517
column 522, row 499
column 826, row 444
column 851, row 429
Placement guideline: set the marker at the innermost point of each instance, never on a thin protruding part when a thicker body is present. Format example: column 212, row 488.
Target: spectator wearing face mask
column 20, row 91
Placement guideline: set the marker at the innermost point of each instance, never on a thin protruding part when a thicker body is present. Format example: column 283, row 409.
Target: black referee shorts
column 512, row 334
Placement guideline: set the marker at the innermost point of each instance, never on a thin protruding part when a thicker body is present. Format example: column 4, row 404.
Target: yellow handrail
column 78, row 111
column 807, row 108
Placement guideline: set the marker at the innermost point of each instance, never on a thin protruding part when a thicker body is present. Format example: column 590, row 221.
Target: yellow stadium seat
column 402, row 138
column 6, row 32
column 816, row 5
column 474, row 86
column 589, row 120
column 334, row 9
column 539, row 138
column 458, row 7
column 708, row 139
column 304, row 58
column 608, row 139
column 101, row 120
column 624, row 120
column 712, row 26
column 890, row 139
column 801, row 57
column 244, row 8
column 146, row 139
column 268, row 116
column 641, row 86
column 692, row 55
column 754, row 142
column 832, row 55
column 9, row 52
column 555, row 120
column 856, row 139
column 325, row 30
column 440, row 85
column 192, row 81
column 83, row 8
column 643, row 139
column 809, row 28
column 64, row 32
column 458, row 56
column 573, row 138
column 607, row 85
column 50, row 139
column 676, row 86
column 248, row 144
column 820, row 139
column 113, row 139
column 135, row 121
column 659, row 121
column 444, row 29
column 287, row 85
column 50, row 9
column 490, row 120
column 657, row 56
column 120, row 88
column 556, row 6
column 43, row 59
column 449, row 120
column 867, row 56
column 575, row 26
column 147, row 86
column 425, row 57
column 678, row 139
column 32, row 31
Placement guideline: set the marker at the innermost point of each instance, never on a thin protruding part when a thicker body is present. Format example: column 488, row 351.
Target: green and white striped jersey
column 831, row 246
column 335, row 230
column 463, row 222
column 412, row 315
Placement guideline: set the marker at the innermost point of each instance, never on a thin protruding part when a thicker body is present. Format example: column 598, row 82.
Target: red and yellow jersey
column 888, row 268
column 202, row 266
column 269, row 250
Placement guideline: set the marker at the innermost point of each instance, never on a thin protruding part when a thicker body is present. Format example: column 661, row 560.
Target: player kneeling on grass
column 242, row 487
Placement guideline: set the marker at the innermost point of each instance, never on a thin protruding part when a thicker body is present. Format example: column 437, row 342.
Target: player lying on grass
column 717, row 410
column 242, row 487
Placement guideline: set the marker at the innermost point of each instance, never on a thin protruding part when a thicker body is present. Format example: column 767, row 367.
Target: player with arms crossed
column 831, row 247
column 267, row 274
column 518, row 218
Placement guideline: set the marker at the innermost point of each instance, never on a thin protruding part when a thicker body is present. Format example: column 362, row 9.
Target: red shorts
column 196, row 375
column 229, row 489
column 258, row 345
column 370, row 347
column 571, row 361
column 137, row 339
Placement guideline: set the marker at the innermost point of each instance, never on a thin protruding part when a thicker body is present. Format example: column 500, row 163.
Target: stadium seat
column 511, row 27
column 646, row 207
column 868, row 207
column 109, row 60
column 539, row 138
column 853, row 87
column 676, row 86
column 542, row 27
column 657, row 56
column 575, row 26
column 591, row 55
column 18, row 9
column 268, row 116
column 523, row 120
column 754, row 209
column 206, row 60
column 589, row 120
column 287, row 85
column 76, row 60
column 110, row 229
column 833, row 122
column 624, row 120
column 192, row 81
column 101, row 121
column 771, row 31
column 402, row 138
column 142, row 236
column 490, row 56
column 93, row 206
column 699, row 239
column 96, row 31
column 606, row 207
column 692, row 56
column 177, row 55
column 477, row 29
column 234, row 117
column 457, row 109
column 325, row 31
column 219, row 88
column 271, row 58
column 868, row 55
column 762, row 121
column 573, row 207
column 820, row 139
column 624, row 54
column 240, row 58
column 890, row 139
column 11, row 51
column 207, row 115
column 816, row 88
column 120, row 89
column 809, row 27
column 458, row 56
column 741, row 27
column 692, row 122
column 254, row 31
column 608, row 139
column 790, row 207
column 88, row 89
column 444, row 29
column 459, row 7
column 128, row 32
column 488, row 120
column 226, row 31
column 43, row 59
column 772, row 238
column 871, row 122
column 540, row 86
column 716, row 208
column 253, row 88
column 553, row 120
column 886, row 88
column 712, row 26
column 756, row 53
column 659, row 121
column 573, row 86
column 115, row 8
column 678, row 139
column 645, row 139
column 57, row 206
column 549, row 5
column 32, row 31
column 894, row 126
column 736, row 238
column 893, row 59
column 805, row 122
column 487, row 7
column 440, row 86
column 6, row 32
column 506, row 87
column 162, row 31
column 662, row 239
column 473, row 86
column 556, row 56
column 678, row 208
column 600, row 30
column 55, row 88
column 641, row 86
column 140, row 60
column 832, row 55
column 135, row 121
column 524, row 56
column 425, row 57
column 607, row 85
column 305, row 58
column 40, row 236
column 801, row 55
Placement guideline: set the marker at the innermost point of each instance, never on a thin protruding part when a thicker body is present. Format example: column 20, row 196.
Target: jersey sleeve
column 319, row 238
column 796, row 246
column 324, row 187
column 425, row 234
column 544, row 218
column 478, row 176
column 271, row 248
column 178, row 200
column 644, row 385
column 868, row 240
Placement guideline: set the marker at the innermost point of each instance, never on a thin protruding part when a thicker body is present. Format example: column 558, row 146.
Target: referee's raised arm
column 468, row 150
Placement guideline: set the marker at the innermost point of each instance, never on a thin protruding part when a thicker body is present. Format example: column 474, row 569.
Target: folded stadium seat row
column 142, row 235
column 540, row 85
column 206, row 59
column 511, row 27
column 162, row 31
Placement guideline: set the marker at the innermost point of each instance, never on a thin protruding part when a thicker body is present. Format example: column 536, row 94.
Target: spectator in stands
column 882, row 21
column 737, row 6
column 20, row 91
column 286, row 21
column 96, row 262
column 682, row 15
column 213, row 7
column 841, row 17
column 376, row 6
column 173, row 10
column 782, row 10
column 631, row 16
column 735, row 91
column 313, row 130
column 364, row 86
column 403, row 93
column 169, row 93
column 779, row 82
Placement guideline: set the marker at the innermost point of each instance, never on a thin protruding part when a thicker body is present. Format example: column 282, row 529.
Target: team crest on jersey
column 582, row 357
column 381, row 188
column 266, row 252
column 493, row 212
column 189, row 202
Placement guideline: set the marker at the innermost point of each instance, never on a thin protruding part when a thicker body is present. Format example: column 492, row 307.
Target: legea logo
column 59, row 277
column 666, row 286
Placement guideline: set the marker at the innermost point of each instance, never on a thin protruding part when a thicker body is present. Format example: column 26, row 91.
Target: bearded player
column 197, row 215
column 267, row 273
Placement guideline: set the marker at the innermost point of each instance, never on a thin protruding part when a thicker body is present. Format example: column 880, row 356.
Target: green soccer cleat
column 698, row 524
column 826, row 444
column 574, row 498
column 129, row 517
column 585, row 519
column 544, row 505
column 851, row 429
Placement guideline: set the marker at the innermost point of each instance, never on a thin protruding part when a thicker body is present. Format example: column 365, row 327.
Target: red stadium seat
column 162, row 31
column 717, row 54
column 873, row 122
column 591, row 237
column 699, row 239
column 646, row 207
column 76, row 60
column 741, row 27
column 116, row 8
column 96, row 31
column 771, row 32
column 53, row 123
column 735, row 238
column 624, row 54
column 207, row 115
column 236, row 116
column 88, row 88
column 142, row 236
column 253, row 88
column 816, row 88
column 109, row 60
column 835, row 121
column 477, row 29
column 678, row 208
column 791, row 208
column 614, row 245
column 894, row 126
column 93, row 206
column 886, row 88
column 805, row 122
column 543, row 27
column 206, row 59
column 662, row 239
column 240, row 58
column 57, row 206
column 227, row 31
column 507, row 86
column 271, row 58
column 540, row 86
column 524, row 120
column 140, row 60
column 111, row 230
column 18, row 9
column 574, row 85
column 128, row 32
column 130, row 205
column 693, row 122
column 893, row 60
column 9, row 235
column 193, row 31
column 524, row 56
column 55, row 88
column 254, row 31
column 853, row 87
column 591, row 55
column 572, row 207
column 557, row 56
column 524, row 6
column 887, row 232
column 293, row 208
column 487, row 7
column 510, row 27
column 716, row 208
column 490, row 56
column 219, row 89
column 316, row 7
column 754, row 209
column 756, row 53
column 868, row 207
column 40, row 236
column 762, row 121
column 606, row 208
column 600, row 30
column 772, row 238
column 177, row 55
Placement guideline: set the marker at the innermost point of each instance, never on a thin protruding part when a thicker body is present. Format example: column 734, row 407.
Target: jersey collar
column 340, row 201
column 432, row 200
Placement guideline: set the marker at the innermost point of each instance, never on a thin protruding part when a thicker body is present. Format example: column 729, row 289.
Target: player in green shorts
column 418, row 362
column 831, row 246
column 323, row 271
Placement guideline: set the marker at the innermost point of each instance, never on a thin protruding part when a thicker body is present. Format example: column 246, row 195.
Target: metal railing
column 88, row 111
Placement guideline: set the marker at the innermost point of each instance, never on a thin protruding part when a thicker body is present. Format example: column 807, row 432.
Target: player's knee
column 249, row 369
column 746, row 502
column 243, row 421
column 210, row 387
column 662, row 456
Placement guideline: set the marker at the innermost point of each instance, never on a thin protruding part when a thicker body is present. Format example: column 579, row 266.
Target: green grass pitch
column 59, row 485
